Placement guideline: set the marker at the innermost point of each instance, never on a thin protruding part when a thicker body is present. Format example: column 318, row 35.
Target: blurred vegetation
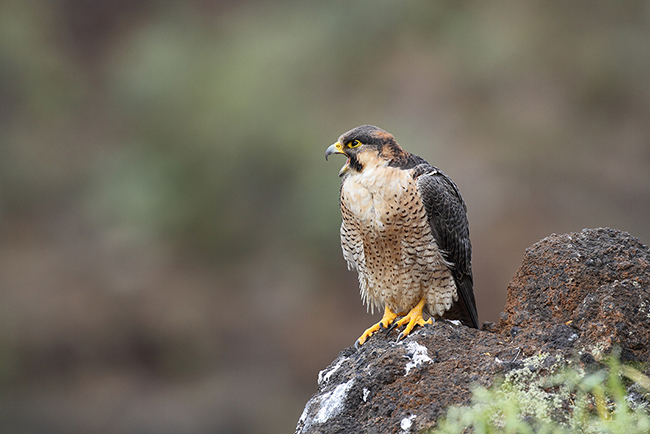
column 165, row 207
column 207, row 128
column 614, row 399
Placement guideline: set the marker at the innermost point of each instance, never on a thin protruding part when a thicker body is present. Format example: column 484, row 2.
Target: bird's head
column 365, row 146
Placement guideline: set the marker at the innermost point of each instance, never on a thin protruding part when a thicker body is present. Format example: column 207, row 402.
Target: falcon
column 405, row 231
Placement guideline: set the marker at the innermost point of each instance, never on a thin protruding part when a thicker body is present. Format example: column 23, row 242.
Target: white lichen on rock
column 326, row 406
column 418, row 355
column 407, row 423
column 325, row 375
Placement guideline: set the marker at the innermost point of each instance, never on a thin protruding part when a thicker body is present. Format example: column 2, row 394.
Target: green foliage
column 207, row 128
column 611, row 400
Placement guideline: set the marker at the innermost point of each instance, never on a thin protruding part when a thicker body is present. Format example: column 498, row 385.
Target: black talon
column 392, row 327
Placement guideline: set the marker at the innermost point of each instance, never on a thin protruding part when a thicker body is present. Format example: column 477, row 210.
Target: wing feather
column 447, row 215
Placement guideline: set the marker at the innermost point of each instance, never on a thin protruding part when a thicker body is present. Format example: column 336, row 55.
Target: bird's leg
column 413, row 318
column 386, row 320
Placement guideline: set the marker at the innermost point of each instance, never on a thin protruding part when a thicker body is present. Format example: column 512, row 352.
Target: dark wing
column 447, row 216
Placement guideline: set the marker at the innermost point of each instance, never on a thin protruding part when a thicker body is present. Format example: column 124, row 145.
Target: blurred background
column 169, row 249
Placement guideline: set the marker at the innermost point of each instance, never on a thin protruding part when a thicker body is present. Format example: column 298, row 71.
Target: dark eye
column 354, row 143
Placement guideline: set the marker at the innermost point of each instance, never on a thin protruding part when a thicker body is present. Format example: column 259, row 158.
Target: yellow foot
column 413, row 318
column 386, row 320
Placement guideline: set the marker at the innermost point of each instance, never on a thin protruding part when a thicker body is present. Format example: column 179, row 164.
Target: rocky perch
column 575, row 297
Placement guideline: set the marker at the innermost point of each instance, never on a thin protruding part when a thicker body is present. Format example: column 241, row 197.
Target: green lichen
column 598, row 350
column 529, row 385
column 544, row 397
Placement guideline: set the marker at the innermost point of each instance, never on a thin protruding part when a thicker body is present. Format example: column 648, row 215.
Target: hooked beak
column 337, row 148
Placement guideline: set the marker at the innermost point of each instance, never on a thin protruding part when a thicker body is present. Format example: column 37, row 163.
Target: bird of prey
column 405, row 230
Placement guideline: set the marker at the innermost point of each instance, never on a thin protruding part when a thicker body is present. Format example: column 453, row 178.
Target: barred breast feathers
column 386, row 237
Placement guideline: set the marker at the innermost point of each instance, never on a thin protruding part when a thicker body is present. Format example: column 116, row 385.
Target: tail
column 465, row 308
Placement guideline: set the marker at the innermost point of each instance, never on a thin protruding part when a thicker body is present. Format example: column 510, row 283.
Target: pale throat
column 370, row 192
